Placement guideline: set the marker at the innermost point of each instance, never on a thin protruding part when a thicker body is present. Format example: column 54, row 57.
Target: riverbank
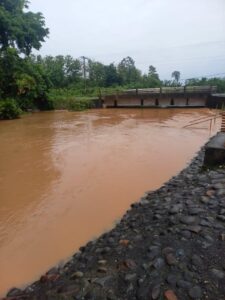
column 170, row 245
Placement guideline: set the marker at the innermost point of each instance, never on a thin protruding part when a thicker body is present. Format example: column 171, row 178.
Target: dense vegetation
column 61, row 82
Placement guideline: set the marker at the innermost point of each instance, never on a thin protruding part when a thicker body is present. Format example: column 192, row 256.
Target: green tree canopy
column 19, row 28
column 176, row 76
column 152, row 72
column 128, row 72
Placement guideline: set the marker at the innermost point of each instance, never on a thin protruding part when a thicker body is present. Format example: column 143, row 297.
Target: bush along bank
column 170, row 245
column 9, row 109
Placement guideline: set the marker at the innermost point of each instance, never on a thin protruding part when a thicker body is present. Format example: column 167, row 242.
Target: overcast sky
column 184, row 35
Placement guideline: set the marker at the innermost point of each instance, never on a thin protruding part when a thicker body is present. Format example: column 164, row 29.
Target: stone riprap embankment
column 170, row 245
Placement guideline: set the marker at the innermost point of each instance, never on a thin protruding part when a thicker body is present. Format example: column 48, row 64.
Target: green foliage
column 20, row 29
column 80, row 104
column 128, row 72
column 176, row 76
column 219, row 82
column 23, row 79
column 9, row 109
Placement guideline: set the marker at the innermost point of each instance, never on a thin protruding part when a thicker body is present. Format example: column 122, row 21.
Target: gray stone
column 186, row 234
column 172, row 279
column 218, row 274
column 103, row 282
column 188, row 219
column 14, row 292
column 221, row 192
column 205, row 223
column 77, row 274
column 197, row 261
column 155, row 292
column 171, row 259
column 158, row 263
column 184, row 284
column 130, row 277
column 219, row 186
column 102, row 270
column 204, row 199
column 167, row 250
column 176, row 209
column 195, row 292
column 195, row 210
column 221, row 218
column 195, row 229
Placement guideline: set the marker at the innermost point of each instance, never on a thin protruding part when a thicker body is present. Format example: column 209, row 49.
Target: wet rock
column 186, row 234
column 194, row 228
column 208, row 238
column 167, row 250
column 69, row 289
column 103, row 281
column 170, row 295
column 221, row 192
column 130, row 264
column 205, row 223
column 188, row 219
column 172, row 280
column 130, row 277
column 124, row 242
column 14, row 292
column 210, row 193
column 218, row 274
column 49, row 278
column 102, row 262
column 221, row 218
column 184, row 284
column 155, row 292
column 195, row 292
column 102, row 270
column 197, row 261
column 204, row 200
column 222, row 237
column 180, row 252
column 158, row 263
column 176, row 209
column 77, row 274
column 170, row 259
column 195, row 211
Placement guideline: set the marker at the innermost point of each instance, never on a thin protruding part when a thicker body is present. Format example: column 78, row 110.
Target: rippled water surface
column 66, row 177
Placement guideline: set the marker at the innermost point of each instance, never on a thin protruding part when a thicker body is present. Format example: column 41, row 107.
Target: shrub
column 9, row 109
column 79, row 104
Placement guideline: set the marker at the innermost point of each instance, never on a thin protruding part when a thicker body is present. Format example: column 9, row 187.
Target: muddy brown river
column 67, row 177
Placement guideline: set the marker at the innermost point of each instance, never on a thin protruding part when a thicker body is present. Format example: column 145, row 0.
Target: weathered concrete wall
column 216, row 101
column 129, row 102
column 215, row 150
column 149, row 102
column 156, row 100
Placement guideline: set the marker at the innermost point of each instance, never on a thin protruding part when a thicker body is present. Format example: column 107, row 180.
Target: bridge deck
column 185, row 96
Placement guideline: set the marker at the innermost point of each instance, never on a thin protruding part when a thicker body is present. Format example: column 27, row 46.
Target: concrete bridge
column 164, row 97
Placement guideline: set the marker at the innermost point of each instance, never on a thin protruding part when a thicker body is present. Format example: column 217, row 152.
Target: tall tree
column 96, row 73
column 128, row 72
column 152, row 72
column 21, row 29
column 153, row 77
column 112, row 77
column 176, row 76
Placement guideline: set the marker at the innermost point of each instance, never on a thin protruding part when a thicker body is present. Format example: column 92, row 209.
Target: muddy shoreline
column 170, row 245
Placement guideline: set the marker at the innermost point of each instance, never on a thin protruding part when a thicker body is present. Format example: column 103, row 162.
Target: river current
column 66, row 177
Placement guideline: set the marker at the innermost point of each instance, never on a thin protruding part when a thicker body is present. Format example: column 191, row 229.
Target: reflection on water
column 66, row 177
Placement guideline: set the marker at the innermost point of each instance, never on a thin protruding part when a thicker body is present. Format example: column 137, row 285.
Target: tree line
column 28, row 81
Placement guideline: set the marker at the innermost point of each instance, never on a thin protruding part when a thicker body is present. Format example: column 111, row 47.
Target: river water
column 67, row 177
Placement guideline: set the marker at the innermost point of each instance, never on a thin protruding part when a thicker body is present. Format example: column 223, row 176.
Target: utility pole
column 84, row 73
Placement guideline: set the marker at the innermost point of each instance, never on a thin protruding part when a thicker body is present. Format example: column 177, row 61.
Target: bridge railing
column 168, row 90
